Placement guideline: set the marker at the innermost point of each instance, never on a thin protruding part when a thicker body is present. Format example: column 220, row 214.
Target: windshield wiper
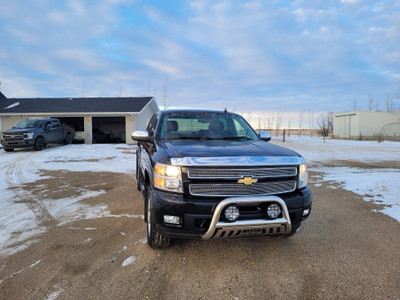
column 204, row 137
column 191, row 138
column 238, row 138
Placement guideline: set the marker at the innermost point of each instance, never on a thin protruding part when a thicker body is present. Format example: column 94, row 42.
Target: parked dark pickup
column 207, row 174
column 37, row 133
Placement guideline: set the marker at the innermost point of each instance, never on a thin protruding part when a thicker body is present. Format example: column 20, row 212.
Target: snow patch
column 374, row 184
column 130, row 260
column 377, row 185
column 55, row 294
column 12, row 105
column 34, row 264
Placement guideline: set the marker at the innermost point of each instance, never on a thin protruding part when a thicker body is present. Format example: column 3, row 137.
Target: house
column 119, row 115
column 366, row 125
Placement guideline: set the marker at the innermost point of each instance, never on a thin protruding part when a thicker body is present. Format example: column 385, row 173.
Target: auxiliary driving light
column 172, row 219
column 306, row 212
column 273, row 211
column 232, row 213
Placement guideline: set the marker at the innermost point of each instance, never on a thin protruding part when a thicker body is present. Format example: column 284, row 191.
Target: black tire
column 154, row 238
column 68, row 139
column 8, row 149
column 139, row 188
column 138, row 176
column 39, row 144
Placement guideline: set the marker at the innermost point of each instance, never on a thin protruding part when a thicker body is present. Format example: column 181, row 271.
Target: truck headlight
column 167, row 177
column 28, row 135
column 303, row 176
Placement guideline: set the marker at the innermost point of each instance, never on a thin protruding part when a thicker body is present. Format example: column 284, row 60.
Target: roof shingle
column 72, row 105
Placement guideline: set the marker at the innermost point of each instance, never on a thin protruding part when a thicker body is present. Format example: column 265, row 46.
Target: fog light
column 306, row 212
column 232, row 213
column 273, row 211
column 172, row 220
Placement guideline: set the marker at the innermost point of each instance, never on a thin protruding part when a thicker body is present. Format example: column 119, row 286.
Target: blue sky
column 248, row 56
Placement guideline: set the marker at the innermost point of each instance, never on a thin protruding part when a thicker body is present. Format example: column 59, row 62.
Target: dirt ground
column 344, row 250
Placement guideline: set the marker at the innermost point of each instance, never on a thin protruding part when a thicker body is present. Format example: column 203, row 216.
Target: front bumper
column 201, row 216
column 248, row 227
column 17, row 143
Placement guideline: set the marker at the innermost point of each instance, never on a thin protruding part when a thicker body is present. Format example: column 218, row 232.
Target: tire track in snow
column 15, row 180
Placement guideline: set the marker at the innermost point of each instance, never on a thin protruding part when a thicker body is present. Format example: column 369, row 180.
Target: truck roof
column 169, row 111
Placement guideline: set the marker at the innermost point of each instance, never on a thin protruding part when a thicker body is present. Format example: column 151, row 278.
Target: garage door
column 108, row 129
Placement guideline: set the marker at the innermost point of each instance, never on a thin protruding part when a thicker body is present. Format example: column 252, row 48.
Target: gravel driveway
column 345, row 250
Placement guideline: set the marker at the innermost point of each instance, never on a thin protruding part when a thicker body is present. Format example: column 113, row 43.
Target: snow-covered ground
column 19, row 226
column 21, row 210
column 334, row 159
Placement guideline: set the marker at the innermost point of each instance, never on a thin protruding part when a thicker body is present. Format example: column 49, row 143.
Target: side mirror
column 141, row 136
column 265, row 136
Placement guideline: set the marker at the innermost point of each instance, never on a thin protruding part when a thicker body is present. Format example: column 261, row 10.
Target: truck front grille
column 237, row 189
column 13, row 137
column 200, row 173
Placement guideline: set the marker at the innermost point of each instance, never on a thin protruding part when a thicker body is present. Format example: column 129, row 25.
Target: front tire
column 138, row 175
column 154, row 238
column 39, row 144
column 68, row 139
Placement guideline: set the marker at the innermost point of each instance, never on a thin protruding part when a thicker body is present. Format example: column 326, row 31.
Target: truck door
column 58, row 130
column 48, row 133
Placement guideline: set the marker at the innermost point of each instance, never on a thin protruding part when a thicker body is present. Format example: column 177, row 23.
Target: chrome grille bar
column 236, row 189
column 206, row 173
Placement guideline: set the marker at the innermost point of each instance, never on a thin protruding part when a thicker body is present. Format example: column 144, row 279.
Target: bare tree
column 330, row 121
column 377, row 105
column 301, row 120
column 370, row 103
column 323, row 125
column 396, row 94
column 311, row 122
column 389, row 104
column 264, row 121
column 270, row 121
column 278, row 122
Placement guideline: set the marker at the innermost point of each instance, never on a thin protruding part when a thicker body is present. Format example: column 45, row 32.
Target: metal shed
column 366, row 125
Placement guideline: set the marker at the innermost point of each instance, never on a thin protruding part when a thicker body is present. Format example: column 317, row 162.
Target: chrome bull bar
column 219, row 229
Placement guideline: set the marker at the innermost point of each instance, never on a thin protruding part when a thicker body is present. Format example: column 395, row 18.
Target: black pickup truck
column 208, row 174
column 37, row 133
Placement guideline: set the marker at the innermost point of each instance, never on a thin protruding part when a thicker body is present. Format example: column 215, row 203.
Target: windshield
column 29, row 124
column 200, row 125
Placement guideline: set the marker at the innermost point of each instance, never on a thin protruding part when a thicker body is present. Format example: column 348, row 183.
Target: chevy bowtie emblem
column 248, row 180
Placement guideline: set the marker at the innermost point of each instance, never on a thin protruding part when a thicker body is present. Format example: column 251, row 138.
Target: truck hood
column 22, row 130
column 183, row 151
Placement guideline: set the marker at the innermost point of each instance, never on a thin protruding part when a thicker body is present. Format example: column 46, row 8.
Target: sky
column 247, row 56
